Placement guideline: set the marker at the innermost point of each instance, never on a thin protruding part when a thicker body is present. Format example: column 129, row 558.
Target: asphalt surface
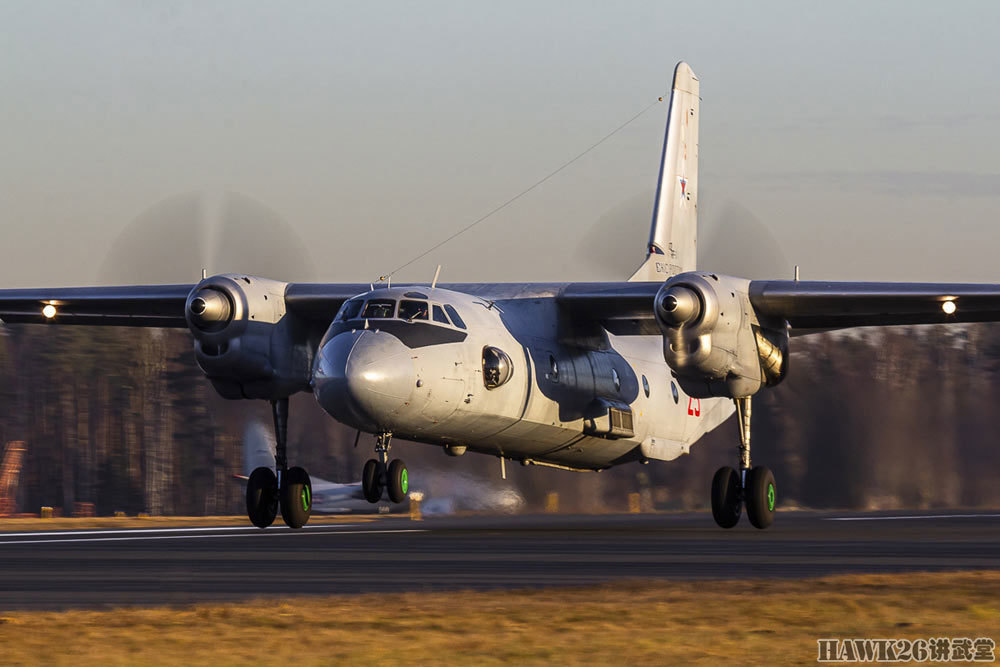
column 62, row 569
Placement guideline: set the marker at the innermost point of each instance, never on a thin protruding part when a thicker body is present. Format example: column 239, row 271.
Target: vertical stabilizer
column 673, row 235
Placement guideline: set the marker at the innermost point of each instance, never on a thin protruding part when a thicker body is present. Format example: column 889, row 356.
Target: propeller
column 173, row 240
column 734, row 242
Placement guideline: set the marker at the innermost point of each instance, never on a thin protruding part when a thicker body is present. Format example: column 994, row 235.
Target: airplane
column 574, row 376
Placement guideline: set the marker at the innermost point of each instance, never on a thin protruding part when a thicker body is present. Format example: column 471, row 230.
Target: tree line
column 124, row 420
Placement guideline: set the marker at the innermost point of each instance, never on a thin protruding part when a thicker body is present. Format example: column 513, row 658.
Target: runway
column 63, row 569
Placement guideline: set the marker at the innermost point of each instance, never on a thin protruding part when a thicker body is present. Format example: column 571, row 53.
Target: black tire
column 296, row 497
column 262, row 497
column 371, row 481
column 760, row 494
column 397, row 481
column 727, row 502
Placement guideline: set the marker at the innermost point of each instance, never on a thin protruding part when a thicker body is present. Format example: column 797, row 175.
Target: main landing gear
column 290, row 489
column 384, row 475
column 752, row 486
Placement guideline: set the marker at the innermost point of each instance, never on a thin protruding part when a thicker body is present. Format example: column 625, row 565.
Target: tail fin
column 672, row 245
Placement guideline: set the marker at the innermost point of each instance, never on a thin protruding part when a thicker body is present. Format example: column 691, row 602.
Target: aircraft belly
column 590, row 452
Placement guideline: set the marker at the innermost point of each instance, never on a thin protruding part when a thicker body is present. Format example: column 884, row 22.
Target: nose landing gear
column 753, row 486
column 290, row 488
column 381, row 474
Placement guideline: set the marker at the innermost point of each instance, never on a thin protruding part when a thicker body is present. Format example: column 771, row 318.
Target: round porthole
column 617, row 380
column 645, row 386
column 673, row 390
column 497, row 368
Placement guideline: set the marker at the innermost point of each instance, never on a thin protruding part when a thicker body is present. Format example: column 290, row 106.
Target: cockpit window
column 439, row 315
column 351, row 309
column 379, row 309
column 455, row 317
column 413, row 310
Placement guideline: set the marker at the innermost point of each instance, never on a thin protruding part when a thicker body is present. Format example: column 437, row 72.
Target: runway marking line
column 196, row 529
column 206, row 537
column 904, row 517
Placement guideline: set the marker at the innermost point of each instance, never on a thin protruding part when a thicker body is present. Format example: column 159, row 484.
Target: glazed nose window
column 497, row 368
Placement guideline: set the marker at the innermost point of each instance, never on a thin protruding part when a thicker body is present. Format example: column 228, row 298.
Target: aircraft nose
column 364, row 378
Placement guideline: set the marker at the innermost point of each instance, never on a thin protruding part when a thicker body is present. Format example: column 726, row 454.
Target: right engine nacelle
column 713, row 339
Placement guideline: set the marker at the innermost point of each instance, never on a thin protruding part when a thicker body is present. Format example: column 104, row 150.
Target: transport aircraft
column 576, row 376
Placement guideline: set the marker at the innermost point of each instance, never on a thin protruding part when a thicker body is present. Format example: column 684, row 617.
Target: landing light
column 49, row 311
column 948, row 307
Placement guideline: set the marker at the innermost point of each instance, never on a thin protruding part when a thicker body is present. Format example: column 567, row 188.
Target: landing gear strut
column 381, row 474
column 751, row 486
column 290, row 488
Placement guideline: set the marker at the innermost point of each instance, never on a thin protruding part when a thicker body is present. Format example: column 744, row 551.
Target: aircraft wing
column 151, row 305
column 135, row 305
column 838, row 305
column 627, row 308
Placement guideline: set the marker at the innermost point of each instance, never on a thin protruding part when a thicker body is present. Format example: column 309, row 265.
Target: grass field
column 631, row 623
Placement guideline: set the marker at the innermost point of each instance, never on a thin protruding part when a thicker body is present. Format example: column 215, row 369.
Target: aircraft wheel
column 727, row 505
column 371, row 481
column 296, row 498
column 760, row 495
column 397, row 481
column 262, row 497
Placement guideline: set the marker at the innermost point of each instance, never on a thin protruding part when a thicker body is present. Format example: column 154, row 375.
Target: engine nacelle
column 713, row 339
column 244, row 341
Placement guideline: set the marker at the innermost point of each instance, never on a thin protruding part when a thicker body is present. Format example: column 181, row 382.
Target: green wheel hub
column 404, row 481
column 306, row 496
column 770, row 497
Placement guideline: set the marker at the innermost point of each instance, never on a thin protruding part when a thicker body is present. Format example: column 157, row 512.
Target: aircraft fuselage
column 495, row 372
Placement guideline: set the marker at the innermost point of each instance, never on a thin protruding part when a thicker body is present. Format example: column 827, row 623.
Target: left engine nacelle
column 244, row 341
column 713, row 339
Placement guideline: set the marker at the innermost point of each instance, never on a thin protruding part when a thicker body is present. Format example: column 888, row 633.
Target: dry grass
column 108, row 522
column 736, row 622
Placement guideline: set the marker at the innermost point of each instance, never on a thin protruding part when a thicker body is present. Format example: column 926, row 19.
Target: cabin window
column 351, row 309
column 497, row 367
column 617, row 380
column 455, row 317
column 412, row 310
column 379, row 309
column 645, row 386
column 673, row 390
column 439, row 315
column 554, row 367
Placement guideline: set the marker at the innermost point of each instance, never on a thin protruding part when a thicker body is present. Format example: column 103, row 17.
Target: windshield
column 413, row 310
column 379, row 309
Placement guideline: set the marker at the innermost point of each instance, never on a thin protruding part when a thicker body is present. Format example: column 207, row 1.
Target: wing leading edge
column 134, row 305
column 623, row 308
column 824, row 305
column 627, row 308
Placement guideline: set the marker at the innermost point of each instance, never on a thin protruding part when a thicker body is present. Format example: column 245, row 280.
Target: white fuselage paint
column 540, row 413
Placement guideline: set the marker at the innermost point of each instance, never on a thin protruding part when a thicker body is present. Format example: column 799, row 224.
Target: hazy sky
column 140, row 141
